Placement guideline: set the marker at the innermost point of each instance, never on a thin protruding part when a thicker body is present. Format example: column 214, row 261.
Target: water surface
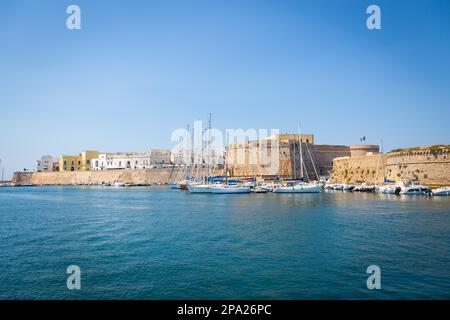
column 156, row 243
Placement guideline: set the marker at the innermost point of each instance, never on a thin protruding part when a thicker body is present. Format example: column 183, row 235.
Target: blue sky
column 137, row 70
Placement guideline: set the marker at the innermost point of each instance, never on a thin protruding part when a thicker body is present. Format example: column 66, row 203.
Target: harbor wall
column 154, row 175
column 427, row 165
column 356, row 170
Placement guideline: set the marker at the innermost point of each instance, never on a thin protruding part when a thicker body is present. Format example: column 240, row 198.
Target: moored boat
column 119, row 184
column 444, row 191
column 388, row 189
column 199, row 188
column 415, row 190
column 259, row 190
column 300, row 188
column 228, row 189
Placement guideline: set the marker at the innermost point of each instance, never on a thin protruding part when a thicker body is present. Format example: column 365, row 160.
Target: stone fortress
column 281, row 156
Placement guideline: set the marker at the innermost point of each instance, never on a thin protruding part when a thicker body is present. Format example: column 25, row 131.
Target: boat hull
column 441, row 192
column 199, row 189
column 222, row 190
column 299, row 189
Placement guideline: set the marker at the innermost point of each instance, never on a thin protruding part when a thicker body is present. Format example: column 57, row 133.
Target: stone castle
column 288, row 156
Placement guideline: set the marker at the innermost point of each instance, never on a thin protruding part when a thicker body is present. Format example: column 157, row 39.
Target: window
column 72, row 169
column 72, row 162
column 96, row 163
column 65, row 162
column 79, row 162
column 88, row 161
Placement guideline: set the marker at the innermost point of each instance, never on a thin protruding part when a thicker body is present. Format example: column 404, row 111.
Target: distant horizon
column 138, row 70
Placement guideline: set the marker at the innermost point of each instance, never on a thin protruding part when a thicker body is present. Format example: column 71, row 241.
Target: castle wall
column 355, row 170
column 429, row 166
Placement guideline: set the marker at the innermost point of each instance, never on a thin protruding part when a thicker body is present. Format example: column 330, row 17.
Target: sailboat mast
column 226, row 157
column 301, row 153
column 294, row 169
column 209, row 146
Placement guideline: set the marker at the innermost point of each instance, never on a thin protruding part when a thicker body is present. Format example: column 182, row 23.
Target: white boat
column 415, row 190
column 388, row 189
column 259, row 190
column 444, row 191
column 119, row 184
column 348, row 187
column 364, row 188
column 300, row 188
column 199, row 188
column 228, row 189
column 338, row 187
column 173, row 185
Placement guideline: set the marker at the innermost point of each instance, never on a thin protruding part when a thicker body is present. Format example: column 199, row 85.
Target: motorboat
column 259, row 190
column 415, row 190
column 389, row 189
column 119, row 184
column 364, row 188
column 300, row 188
column 347, row 187
column 444, row 191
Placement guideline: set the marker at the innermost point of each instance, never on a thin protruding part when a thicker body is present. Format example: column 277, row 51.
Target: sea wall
column 356, row 170
column 427, row 165
column 430, row 167
column 157, row 175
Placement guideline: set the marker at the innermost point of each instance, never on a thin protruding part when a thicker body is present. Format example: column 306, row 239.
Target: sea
column 159, row 243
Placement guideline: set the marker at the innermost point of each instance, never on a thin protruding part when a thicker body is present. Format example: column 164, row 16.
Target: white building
column 178, row 157
column 114, row 161
column 160, row 157
column 45, row 164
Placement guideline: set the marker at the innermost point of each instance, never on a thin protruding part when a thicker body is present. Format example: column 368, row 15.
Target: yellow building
column 86, row 159
column 70, row 163
column 82, row 162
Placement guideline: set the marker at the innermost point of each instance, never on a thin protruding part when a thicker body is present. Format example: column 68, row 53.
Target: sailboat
column 229, row 189
column 204, row 187
column 301, row 187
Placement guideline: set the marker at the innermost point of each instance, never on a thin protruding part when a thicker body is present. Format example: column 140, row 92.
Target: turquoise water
column 150, row 243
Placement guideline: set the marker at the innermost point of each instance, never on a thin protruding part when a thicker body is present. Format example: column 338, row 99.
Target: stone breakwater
column 428, row 165
column 157, row 175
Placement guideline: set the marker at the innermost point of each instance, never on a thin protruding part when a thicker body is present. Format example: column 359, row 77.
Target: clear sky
column 137, row 70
